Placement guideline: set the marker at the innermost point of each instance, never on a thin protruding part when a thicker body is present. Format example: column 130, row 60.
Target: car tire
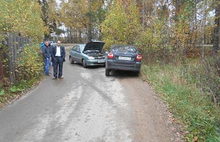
column 107, row 72
column 71, row 60
column 84, row 63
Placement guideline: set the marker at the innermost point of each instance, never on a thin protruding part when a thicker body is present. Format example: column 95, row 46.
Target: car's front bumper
column 95, row 62
column 129, row 67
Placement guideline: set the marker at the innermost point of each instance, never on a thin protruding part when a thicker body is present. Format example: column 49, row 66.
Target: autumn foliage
column 22, row 17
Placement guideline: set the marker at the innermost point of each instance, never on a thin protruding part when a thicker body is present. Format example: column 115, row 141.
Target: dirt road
column 88, row 107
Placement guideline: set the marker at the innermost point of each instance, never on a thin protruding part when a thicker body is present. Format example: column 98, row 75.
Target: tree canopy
column 23, row 17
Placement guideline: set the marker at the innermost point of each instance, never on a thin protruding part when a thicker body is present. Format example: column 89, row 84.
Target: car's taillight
column 110, row 55
column 139, row 57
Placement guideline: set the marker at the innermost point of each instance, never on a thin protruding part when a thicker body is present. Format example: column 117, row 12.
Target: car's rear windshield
column 130, row 49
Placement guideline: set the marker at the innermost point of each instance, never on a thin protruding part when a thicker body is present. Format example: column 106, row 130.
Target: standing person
column 42, row 46
column 58, row 57
column 47, row 55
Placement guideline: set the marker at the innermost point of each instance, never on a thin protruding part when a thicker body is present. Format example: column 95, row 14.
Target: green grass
column 191, row 106
column 2, row 92
column 9, row 93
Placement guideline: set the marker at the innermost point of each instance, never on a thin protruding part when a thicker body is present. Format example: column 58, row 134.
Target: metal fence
column 14, row 45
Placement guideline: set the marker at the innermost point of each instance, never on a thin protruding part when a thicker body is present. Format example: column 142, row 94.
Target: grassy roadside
column 191, row 106
column 9, row 94
column 29, row 71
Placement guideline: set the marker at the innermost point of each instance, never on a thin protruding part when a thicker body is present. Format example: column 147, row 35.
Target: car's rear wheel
column 137, row 73
column 107, row 72
column 71, row 60
column 84, row 63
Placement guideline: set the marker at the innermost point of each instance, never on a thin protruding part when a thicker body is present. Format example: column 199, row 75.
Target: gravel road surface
column 86, row 106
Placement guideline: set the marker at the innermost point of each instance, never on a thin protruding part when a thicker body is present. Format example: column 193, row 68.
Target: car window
column 130, row 49
column 78, row 49
column 82, row 47
column 74, row 48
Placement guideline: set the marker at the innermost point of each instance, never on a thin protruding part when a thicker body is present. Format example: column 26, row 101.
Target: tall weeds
column 191, row 90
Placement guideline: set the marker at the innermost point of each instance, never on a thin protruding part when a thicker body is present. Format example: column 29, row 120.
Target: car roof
column 121, row 45
column 79, row 44
column 97, row 41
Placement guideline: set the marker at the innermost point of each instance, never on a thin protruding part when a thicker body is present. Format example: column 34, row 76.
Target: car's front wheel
column 71, row 60
column 107, row 72
column 84, row 63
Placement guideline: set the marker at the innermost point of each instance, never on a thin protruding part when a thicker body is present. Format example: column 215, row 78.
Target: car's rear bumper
column 129, row 67
column 95, row 62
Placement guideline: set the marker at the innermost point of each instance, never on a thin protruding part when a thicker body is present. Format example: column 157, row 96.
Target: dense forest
column 179, row 41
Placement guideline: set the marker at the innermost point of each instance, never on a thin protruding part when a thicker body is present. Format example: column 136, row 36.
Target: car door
column 73, row 53
column 78, row 54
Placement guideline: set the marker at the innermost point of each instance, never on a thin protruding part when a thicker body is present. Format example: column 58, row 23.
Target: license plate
column 124, row 58
column 101, row 61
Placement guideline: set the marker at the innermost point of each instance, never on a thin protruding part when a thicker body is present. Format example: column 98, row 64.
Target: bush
column 29, row 65
column 193, row 106
column 23, row 17
column 206, row 77
column 2, row 92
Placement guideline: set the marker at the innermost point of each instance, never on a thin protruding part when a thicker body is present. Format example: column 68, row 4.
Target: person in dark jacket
column 47, row 56
column 58, row 57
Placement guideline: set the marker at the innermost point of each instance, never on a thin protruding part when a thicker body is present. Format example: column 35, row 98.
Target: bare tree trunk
column 143, row 15
column 90, row 32
column 90, row 23
column 80, row 36
column 71, row 36
column 203, row 30
column 195, row 25
column 216, row 29
column 216, row 36
column 44, row 7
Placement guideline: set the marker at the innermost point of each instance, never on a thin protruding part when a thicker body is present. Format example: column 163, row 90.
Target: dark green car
column 89, row 54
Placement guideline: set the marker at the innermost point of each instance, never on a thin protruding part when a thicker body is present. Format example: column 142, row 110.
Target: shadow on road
column 114, row 73
column 90, row 67
column 123, row 74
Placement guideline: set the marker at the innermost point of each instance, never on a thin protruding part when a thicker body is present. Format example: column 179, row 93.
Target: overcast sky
column 58, row 1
